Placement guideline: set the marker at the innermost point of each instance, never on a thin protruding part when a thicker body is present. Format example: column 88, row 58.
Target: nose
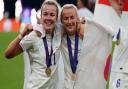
column 69, row 20
column 48, row 17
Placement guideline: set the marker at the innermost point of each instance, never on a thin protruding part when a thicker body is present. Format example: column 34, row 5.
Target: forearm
column 14, row 48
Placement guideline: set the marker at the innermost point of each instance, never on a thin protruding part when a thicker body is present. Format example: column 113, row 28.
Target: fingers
column 27, row 30
column 38, row 19
column 29, row 26
column 82, row 20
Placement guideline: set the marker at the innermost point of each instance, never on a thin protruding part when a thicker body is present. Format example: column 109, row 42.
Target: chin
column 70, row 29
column 48, row 27
column 48, row 30
column 71, row 32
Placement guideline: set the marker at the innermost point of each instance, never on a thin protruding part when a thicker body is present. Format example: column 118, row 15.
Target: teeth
column 48, row 22
column 69, row 26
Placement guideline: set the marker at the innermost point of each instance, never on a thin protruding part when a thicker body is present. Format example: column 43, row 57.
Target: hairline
column 68, row 6
column 50, row 2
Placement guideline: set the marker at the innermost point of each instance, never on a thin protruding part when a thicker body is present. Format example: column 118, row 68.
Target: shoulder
column 100, row 26
column 29, row 40
column 38, row 28
column 85, row 13
column 32, row 36
column 58, row 29
column 58, row 26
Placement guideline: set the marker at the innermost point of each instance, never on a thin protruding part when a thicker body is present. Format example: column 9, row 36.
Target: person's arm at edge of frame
column 14, row 47
column 82, row 22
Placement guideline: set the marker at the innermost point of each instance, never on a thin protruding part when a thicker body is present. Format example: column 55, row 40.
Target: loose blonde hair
column 68, row 6
column 48, row 2
column 51, row 2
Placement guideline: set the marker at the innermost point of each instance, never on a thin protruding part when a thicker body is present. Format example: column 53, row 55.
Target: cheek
column 54, row 20
column 64, row 22
column 74, row 23
column 42, row 19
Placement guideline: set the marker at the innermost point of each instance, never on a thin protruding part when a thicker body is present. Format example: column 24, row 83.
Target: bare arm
column 14, row 47
column 81, row 26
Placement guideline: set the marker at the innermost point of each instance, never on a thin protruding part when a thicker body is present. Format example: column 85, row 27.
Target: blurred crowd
column 9, row 5
column 15, row 12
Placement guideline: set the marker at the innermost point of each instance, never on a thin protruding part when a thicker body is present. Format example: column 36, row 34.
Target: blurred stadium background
column 14, row 14
column 11, row 71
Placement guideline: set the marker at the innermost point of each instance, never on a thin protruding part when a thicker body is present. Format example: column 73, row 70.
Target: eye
column 45, row 14
column 53, row 14
column 65, row 18
column 72, row 17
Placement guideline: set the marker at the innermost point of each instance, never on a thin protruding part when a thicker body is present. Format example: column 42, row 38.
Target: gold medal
column 73, row 77
column 48, row 71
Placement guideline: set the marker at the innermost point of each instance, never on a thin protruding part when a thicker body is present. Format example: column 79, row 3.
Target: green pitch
column 11, row 70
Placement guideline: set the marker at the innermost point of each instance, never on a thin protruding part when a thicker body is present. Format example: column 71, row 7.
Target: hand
column 82, row 20
column 81, row 30
column 80, row 26
column 27, row 30
column 38, row 19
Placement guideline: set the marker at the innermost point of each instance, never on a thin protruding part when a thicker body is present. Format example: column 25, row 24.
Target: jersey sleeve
column 28, row 41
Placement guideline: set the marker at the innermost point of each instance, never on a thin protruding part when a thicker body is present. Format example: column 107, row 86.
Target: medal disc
column 73, row 77
column 48, row 71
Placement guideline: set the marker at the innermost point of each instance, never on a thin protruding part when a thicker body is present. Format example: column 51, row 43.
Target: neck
column 71, row 33
column 49, row 31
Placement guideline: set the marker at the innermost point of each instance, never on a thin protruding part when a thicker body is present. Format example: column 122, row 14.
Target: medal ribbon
column 73, row 59
column 48, row 56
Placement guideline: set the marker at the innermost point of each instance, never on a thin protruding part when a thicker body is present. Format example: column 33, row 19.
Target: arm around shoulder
column 14, row 47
